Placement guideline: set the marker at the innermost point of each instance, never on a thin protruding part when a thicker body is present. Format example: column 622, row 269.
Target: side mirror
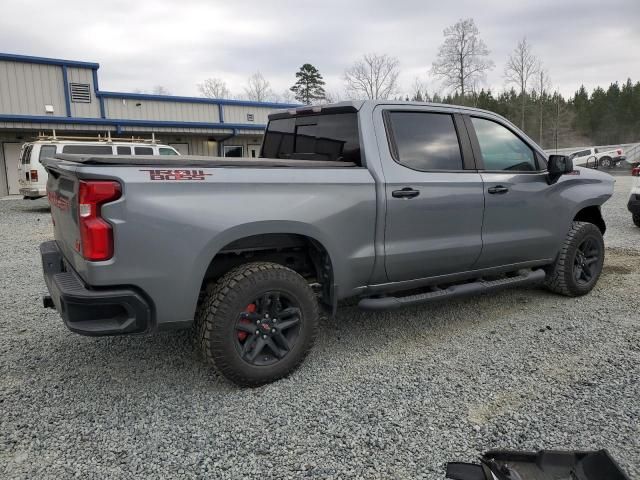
column 557, row 166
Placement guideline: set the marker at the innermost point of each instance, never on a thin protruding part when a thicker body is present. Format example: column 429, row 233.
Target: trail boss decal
column 176, row 174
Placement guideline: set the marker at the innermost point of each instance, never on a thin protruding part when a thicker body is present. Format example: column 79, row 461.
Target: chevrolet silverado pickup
column 392, row 203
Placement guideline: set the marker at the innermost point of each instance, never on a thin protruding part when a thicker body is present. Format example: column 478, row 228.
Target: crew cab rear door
column 434, row 196
column 521, row 208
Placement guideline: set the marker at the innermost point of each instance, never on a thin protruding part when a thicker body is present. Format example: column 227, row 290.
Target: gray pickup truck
column 392, row 203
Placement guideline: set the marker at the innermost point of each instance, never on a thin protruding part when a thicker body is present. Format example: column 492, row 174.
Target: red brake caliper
column 251, row 308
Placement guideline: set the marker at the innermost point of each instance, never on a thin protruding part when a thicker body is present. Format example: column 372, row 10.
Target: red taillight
column 96, row 234
column 34, row 175
column 635, row 172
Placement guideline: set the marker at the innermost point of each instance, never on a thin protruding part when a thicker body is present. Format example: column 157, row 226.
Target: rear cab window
column 327, row 136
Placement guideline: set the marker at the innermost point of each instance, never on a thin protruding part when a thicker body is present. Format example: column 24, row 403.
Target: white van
column 33, row 177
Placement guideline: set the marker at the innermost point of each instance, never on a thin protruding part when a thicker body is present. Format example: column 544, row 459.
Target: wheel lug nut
column 264, row 336
column 266, row 315
column 257, row 322
column 257, row 332
column 273, row 330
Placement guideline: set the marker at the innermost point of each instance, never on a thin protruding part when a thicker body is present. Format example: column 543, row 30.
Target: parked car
column 594, row 158
column 394, row 203
column 33, row 177
column 634, row 197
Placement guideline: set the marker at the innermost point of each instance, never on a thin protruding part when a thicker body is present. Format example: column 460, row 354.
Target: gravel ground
column 384, row 395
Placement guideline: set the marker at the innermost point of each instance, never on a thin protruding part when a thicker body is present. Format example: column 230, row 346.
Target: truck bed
column 198, row 161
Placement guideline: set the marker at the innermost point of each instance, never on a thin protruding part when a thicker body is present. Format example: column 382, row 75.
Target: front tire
column 257, row 323
column 579, row 263
column 636, row 219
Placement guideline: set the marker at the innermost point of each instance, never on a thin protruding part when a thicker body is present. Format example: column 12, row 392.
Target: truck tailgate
column 62, row 190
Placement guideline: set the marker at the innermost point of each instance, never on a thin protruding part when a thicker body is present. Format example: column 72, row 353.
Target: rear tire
column 579, row 262
column 606, row 162
column 636, row 219
column 240, row 324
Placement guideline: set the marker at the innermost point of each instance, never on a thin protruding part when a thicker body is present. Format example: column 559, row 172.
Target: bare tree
column 521, row 66
column 373, row 76
column 542, row 85
column 258, row 88
column 214, row 88
column 419, row 91
column 462, row 58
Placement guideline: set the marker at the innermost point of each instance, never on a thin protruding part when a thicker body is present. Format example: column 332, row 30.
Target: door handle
column 406, row 192
column 498, row 190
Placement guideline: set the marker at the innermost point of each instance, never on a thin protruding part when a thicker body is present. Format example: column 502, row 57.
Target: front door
column 11, row 159
column 253, row 151
column 434, row 196
column 520, row 215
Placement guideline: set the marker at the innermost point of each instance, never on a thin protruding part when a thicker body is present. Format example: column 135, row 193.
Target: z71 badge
column 176, row 174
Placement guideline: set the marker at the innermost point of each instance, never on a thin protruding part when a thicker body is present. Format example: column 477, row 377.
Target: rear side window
column 26, row 154
column 501, row 149
column 167, row 151
column 333, row 137
column 144, row 150
column 425, row 141
column 88, row 149
column 47, row 151
column 123, row 150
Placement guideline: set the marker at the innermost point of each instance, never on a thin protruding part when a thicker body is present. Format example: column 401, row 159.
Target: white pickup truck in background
column 594, row 157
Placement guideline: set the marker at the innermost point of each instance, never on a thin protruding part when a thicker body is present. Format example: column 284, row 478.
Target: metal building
column 42, row 94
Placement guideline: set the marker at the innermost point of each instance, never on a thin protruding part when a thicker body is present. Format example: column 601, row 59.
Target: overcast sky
column 140, row 44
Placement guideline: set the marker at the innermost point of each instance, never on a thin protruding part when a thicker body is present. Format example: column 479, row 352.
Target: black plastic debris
column 542, row 465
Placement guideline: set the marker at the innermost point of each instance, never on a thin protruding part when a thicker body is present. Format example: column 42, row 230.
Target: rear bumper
column 90, row 311
column 33, row 192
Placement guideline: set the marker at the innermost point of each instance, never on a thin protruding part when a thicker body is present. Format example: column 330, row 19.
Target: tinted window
column 88, row 149
column 123, row 150
column 167, row 151
column 502, row 149
column 144, row 150
column 332, row 137
column 47, row 151
column 233, row 151
column 26, row 154
column 425, row 141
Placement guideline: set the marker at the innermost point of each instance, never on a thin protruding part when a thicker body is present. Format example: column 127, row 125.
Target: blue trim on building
column 10, row 57
column 65, row 84
column 127, row 122
column 220, row 113
column 212, row 101
column 96, row 91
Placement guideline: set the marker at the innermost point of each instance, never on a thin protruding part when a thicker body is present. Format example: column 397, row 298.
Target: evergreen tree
column 309, row 86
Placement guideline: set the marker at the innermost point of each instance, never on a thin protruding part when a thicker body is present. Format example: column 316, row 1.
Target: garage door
column 11, row 156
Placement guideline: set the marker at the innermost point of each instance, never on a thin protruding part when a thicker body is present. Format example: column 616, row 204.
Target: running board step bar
column 525, row 277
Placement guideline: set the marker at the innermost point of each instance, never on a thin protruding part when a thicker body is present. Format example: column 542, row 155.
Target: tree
column 309, row 86
column 521, row 66
column 214, row 88
column 258, row 88
column 542, row 85
column 374, row 76
column 419, row 91
column 462, row 58
column 160, row 90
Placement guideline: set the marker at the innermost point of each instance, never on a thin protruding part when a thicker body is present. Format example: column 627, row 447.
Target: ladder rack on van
column 100, row 138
